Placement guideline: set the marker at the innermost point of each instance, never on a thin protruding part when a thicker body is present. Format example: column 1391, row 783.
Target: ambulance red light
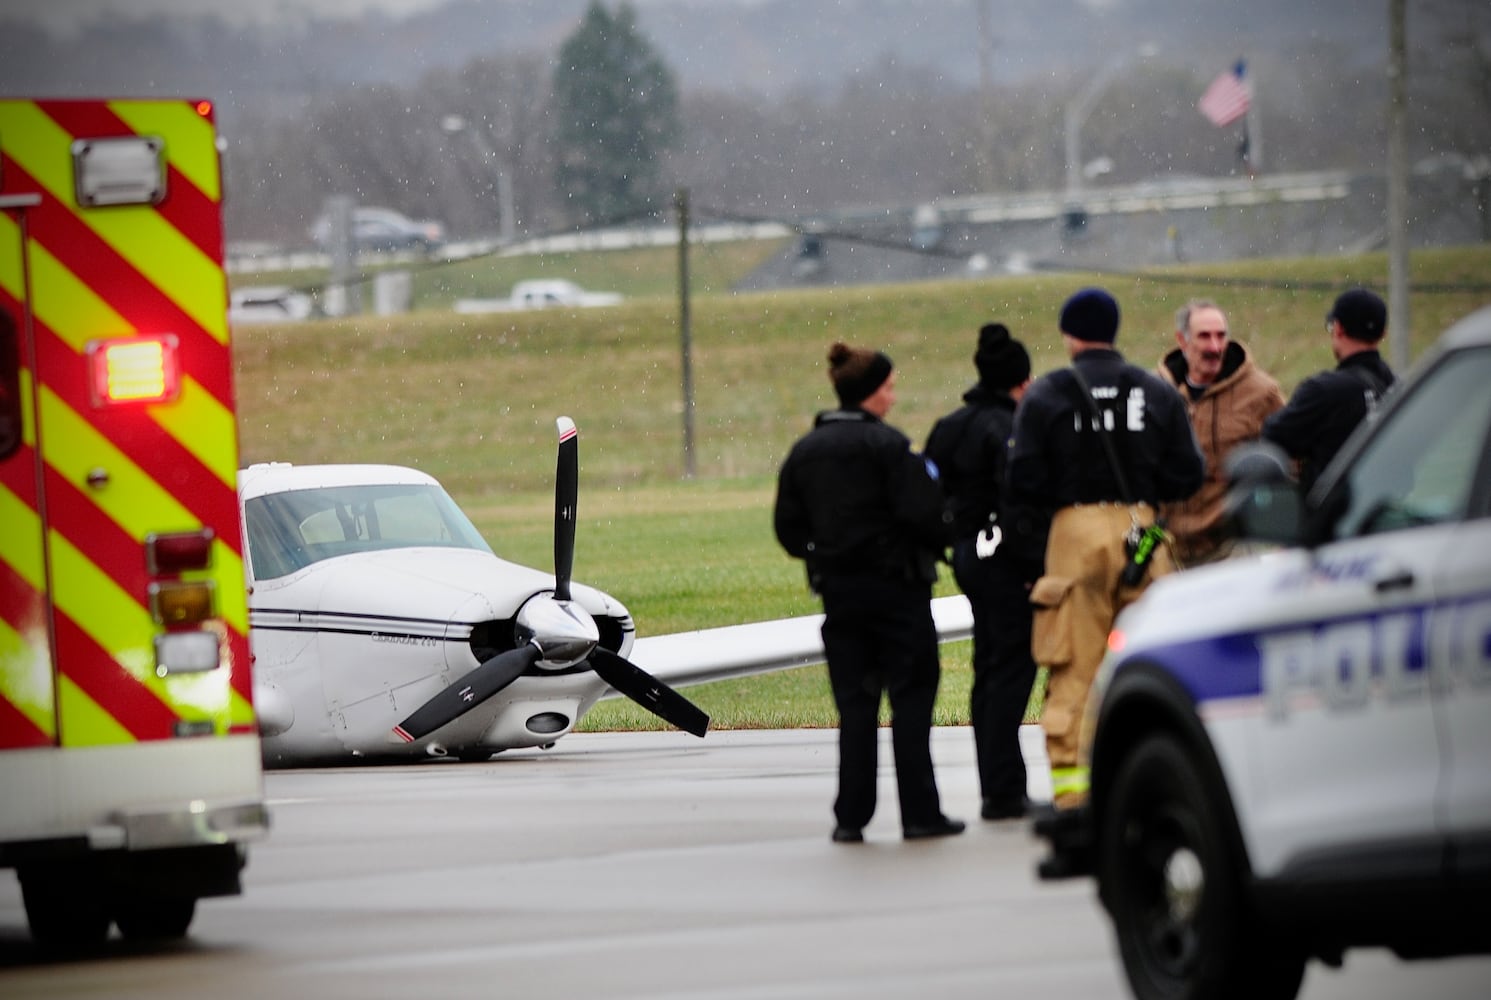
column 178, row 551
column 134, row 370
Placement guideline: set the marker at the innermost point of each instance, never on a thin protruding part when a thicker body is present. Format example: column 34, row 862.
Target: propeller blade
column 649, row 692
column 566, row 497
column 465, row 694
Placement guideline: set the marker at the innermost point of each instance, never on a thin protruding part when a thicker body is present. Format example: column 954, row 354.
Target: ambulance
column 1291, row 750
column 130, row 776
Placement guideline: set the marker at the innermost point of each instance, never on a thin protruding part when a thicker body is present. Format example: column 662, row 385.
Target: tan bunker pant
column 1075, row 605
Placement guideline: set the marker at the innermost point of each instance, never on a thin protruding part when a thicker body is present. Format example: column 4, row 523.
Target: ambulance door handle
column 1401, row 579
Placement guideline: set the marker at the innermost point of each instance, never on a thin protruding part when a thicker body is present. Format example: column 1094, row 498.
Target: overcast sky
column 66, row 14
column 69, row 13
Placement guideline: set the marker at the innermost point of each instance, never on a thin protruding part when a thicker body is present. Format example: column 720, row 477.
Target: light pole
column 456, row 124
column 1077, row 112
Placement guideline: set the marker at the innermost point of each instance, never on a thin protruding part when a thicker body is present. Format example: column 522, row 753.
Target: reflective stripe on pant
column 1069, row 786
column 1086, row 547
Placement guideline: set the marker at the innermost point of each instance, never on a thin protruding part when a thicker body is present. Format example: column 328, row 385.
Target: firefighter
column 1100, row 458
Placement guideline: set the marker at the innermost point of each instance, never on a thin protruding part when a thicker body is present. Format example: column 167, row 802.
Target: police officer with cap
column 1101, row 444
column 970, row 446
column 866, row 515
column 1328, row 406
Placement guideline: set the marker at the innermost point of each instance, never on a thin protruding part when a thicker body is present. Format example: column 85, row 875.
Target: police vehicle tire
column 1173, row 886
column 65, row 911
column 154, row 918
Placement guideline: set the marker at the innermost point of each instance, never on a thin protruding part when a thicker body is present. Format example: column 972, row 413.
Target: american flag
column 1228, row 97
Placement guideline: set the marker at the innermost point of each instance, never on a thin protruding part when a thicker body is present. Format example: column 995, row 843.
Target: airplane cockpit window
column 289, row 531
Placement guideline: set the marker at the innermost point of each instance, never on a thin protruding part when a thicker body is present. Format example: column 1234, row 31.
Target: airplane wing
column 715, row 654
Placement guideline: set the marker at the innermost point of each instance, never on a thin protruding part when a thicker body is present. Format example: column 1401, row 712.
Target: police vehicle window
column 1420, row 467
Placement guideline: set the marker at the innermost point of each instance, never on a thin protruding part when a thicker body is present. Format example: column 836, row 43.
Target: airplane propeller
column 556, row 633
column 468, row 692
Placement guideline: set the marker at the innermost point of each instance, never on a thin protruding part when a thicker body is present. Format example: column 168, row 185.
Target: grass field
column 472, row 400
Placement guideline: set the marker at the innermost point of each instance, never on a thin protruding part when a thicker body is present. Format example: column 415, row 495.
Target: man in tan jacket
column 1228, row 398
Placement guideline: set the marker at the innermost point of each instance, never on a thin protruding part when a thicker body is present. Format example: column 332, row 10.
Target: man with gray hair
column 1228, row 398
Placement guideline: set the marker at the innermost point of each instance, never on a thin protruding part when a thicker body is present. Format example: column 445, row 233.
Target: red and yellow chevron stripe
column 90, row 482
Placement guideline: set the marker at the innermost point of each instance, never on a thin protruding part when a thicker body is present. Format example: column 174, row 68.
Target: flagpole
column 1253, row 128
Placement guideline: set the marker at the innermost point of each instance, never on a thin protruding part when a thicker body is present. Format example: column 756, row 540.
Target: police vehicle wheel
column 154, row 918
column 65, row 911
column 1172, row 883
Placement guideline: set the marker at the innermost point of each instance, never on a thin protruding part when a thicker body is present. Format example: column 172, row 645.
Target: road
column 639, row 865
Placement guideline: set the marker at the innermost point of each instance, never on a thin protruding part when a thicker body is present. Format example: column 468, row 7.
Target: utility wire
column 807, row 228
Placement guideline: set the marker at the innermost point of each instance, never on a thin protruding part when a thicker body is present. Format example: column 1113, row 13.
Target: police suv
column 1291, row 751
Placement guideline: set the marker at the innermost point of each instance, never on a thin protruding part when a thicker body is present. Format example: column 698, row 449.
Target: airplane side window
column 10, row 387
column 323, row 526
column 291, row 530
column 1420, row 468
column 412, row 518
column 275, row 545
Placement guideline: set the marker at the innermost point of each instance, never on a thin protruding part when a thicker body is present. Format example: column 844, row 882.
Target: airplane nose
column 563, row 631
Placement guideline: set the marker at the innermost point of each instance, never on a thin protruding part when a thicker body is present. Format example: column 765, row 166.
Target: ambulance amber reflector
column 181, row 603
column 134, row 370
column 179, row 551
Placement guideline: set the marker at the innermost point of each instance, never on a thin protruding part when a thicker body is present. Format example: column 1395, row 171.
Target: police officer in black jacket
column 993, row 570
column 1059, row 456
column 1327, row 407
column 866, row 515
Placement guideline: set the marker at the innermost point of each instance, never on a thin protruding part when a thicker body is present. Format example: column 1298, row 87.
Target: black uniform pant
column 878, row 636
column 1003, row 669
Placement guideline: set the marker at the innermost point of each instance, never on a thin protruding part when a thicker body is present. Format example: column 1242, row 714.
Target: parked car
column 269, row 304
column 540, row 294
column 1289, row 750
column 382, row 229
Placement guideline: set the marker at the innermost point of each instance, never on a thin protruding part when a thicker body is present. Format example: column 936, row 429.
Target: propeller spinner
column 556, row 633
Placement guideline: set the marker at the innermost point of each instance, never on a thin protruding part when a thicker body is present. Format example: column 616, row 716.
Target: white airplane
column 384, row 628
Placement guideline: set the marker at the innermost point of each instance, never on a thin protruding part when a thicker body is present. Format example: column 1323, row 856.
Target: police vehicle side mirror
column 1263, row 502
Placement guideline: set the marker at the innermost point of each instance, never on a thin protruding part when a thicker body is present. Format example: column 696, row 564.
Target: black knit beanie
column 1090, row 315
column 1001, row 360
column 856, row 373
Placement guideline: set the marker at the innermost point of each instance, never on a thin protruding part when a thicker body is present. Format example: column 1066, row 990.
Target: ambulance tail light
column 134, row 370
column 170, row 554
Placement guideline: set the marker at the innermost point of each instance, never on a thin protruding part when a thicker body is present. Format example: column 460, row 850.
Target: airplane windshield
column 289, row 531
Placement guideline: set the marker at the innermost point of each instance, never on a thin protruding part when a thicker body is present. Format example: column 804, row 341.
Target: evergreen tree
column 616, row 105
